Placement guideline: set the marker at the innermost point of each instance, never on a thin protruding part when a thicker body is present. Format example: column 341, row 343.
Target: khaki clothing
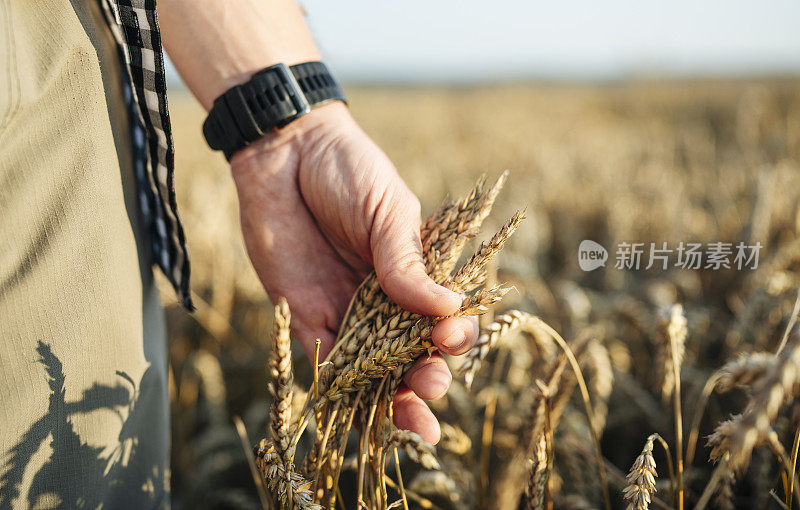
column 83, row 368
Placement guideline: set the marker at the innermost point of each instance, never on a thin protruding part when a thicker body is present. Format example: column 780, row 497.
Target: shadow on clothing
column 121, row 478
column 132, row 472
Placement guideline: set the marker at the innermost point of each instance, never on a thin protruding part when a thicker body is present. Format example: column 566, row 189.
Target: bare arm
column 216, row 44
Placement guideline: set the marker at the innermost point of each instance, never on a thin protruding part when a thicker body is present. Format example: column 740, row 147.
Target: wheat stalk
column 673, row 333
column 443, row 235
column 377, row 343
column 724, row 495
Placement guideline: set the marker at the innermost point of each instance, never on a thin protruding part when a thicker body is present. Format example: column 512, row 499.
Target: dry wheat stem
column 721, row 470
column 317, row 343
column 587, row 403
column 423, row 502
column 343, row 444
column 486, row 443
column 258, row 480
column 724, row 493
column 790, row 325
column 697, row 416
column 399, row 478
column 795, row 448
column 320, row 452
column 363, row 451
column 780, row 503
column 780, row 452
column 670, row 465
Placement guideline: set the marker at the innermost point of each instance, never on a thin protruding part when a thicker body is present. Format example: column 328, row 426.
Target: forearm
column 216, row 44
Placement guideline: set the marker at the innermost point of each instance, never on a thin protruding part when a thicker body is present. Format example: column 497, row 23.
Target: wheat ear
column 539, row 473
column 739, row 435
column 675, row 332
column 417, row 450
column 280, row 388
column 473, row 272
column 641, row 479
column 488, row 338
column 291, row 488
column 745, row 370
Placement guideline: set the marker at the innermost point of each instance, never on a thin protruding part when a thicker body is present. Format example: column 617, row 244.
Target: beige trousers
column 83, row 371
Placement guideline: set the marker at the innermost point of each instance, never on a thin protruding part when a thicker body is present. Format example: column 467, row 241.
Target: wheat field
column 704, row 362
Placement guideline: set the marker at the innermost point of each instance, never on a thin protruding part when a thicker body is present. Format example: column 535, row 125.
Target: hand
column 320, row 206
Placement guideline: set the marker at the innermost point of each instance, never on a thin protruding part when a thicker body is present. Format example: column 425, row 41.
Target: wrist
column 240, row 70
column 272, row 99
column 312, row 128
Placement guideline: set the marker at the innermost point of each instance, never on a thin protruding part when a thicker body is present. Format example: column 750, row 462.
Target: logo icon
column 591, row 255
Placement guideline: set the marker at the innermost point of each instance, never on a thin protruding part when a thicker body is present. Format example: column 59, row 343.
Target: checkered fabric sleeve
column 134, row 24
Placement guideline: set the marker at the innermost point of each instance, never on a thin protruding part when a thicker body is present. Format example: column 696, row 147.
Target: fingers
column 456, row 335
column 397, row 255
column 430, row 377
column 411, row 413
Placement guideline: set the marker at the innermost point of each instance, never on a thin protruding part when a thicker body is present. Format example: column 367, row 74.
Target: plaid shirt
column 134, row 24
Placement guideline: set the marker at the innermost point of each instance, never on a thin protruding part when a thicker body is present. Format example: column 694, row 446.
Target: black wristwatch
column 272, row 98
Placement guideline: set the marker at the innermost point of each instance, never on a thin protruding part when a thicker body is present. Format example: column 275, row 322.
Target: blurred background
column 620, row 121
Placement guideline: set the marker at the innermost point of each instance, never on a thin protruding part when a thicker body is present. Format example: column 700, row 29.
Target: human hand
column 321, row 206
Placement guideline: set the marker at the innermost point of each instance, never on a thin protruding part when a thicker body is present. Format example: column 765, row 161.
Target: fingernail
column 455, row 340
column 440, row 387
column 445, row 293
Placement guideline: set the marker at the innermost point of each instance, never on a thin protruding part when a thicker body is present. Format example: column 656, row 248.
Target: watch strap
column 271, row 99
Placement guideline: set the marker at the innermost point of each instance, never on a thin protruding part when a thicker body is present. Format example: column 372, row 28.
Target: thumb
column 397, row 256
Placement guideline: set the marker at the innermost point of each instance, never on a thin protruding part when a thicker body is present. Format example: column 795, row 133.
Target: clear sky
column 469, row 40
